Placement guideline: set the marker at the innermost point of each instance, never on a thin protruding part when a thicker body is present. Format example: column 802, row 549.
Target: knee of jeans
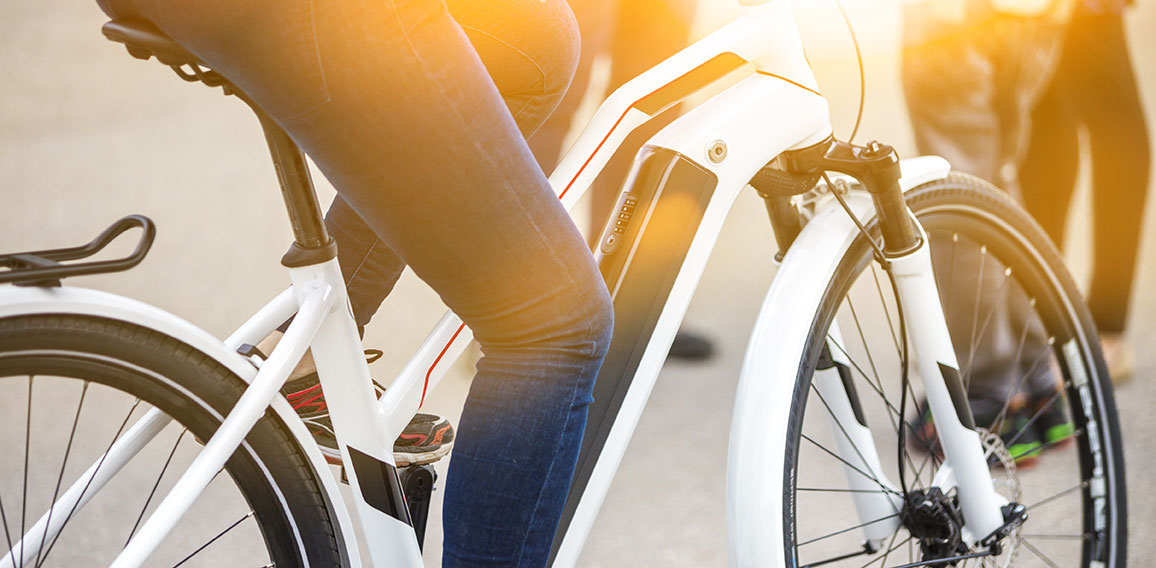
column 599, row 316
column 579, row 321
column 571, row 324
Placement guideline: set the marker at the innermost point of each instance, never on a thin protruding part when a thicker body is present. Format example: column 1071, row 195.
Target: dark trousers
column 636, row 35
column 968, row 87
column 1093, row 90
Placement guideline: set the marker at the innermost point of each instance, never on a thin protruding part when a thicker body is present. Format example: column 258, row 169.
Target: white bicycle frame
column 767, row 102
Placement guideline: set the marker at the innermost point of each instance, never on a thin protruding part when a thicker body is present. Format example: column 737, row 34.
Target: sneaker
column 1020, row 439
column 427, row 439
column 1052, row 425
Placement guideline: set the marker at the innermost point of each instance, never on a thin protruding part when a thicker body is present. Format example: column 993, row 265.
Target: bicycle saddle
column 144, row 40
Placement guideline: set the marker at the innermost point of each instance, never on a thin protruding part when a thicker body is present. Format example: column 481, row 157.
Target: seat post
column 312, row 242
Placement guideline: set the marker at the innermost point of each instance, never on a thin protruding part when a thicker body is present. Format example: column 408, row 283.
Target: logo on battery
column 616, row 232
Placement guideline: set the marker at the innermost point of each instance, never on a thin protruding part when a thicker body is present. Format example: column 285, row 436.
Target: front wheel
column 1035, row 380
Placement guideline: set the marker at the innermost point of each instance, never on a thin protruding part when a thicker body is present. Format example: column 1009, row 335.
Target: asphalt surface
column 88, row 134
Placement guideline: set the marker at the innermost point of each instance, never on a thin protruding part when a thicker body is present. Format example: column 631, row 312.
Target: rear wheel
column 71, row 386
column 1035, row 379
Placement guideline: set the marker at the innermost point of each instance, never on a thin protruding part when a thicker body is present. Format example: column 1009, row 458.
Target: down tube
column 640, row 255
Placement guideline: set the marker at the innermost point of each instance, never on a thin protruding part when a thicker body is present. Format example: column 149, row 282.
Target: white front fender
column 756, row 458
column 18, row 301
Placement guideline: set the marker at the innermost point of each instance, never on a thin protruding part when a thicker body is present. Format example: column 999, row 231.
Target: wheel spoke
column 886, row 312
column 998, row 422
column 848, row 464
column 60, row 476
column 882, row 560
column 80, row 498
column 1035, row 417
column 882, row 396
column 830, row 490
column 1037, row 552
column 995, row 300
column 848, row 436
column 863, row 339
column 155, row 485
column 849, row 529
column 950, row 278
column 1057, row 536
column 7, row 535
column 1046, row 500
column 975, row 310
column 24, row 487
column 214, row 539
column 1020, row 377
column 1045, row 446
column 877, row 388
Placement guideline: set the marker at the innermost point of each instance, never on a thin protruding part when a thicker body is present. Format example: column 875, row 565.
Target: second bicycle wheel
column 1035, row 381
column 71, row 387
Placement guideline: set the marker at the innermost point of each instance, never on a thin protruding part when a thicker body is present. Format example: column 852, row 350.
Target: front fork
column 907, row 253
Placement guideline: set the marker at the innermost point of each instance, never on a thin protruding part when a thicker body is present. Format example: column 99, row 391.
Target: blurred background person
column 971, row 71
column 634, row 35
column 1094, row 90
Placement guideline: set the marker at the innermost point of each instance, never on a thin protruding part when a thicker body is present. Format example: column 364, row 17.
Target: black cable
column 862, row 77
column 904, row 380
column 882, row 259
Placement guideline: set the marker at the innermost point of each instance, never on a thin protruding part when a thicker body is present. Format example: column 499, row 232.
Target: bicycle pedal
column 417, row 482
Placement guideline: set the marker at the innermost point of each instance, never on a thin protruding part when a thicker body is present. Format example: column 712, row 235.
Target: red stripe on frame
column 436, row 361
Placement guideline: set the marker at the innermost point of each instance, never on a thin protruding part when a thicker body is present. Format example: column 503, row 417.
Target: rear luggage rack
column 43, row 267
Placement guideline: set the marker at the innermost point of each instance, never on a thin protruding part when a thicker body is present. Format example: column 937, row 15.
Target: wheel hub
column 935, row 519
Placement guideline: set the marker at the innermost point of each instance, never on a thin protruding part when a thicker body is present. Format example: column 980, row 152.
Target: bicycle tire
column 974, row 210
column 269, row 470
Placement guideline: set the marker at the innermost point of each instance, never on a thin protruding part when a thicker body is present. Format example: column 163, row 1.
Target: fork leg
column 946, row 396
column 877, row 167
column 875, row 496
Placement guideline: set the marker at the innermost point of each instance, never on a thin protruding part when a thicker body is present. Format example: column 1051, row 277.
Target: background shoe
column 1118, row 356
column 1052, row 425
column 1021, row 439
column 690, row 346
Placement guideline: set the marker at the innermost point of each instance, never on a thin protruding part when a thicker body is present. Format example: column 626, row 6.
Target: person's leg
column 647, row 32
column 1048, row 173
column 596, row 22
column 956, row 98
column 532, row 77
column 1104, row 92
column 397, row 110
column 949, row 86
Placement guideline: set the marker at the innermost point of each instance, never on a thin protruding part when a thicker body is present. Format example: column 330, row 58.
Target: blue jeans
column 416, row 112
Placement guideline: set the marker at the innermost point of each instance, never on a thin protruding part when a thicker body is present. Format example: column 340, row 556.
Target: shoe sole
column 404, row 459
column 401, row 459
